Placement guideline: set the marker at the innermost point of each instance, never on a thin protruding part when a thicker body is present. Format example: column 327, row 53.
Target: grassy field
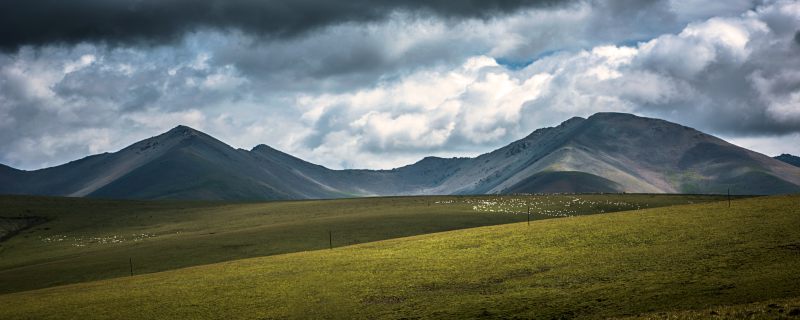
column 772, row 309
column 647, row 263
column 88, row 239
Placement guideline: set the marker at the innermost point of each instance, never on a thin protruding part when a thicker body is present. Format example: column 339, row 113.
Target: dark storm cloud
column 159, row 21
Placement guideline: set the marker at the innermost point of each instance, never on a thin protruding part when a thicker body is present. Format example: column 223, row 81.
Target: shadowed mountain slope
column 607, row 152
column 790, row 159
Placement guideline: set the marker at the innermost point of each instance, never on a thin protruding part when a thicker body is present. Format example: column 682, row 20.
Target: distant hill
column 790, row 159
column 607, row 152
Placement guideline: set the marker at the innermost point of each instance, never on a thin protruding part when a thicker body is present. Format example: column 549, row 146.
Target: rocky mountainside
column 607, row 152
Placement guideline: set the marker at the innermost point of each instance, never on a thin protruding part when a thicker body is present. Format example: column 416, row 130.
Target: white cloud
column 782, row 103
column 699, row 45
column 693, row 10
column 50, row 145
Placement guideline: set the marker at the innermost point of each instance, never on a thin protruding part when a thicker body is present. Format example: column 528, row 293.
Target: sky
column 381, row 84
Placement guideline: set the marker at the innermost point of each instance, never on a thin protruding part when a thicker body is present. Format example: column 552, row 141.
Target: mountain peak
column 614, row 115
column 182, row 129
column 172, row 138
column 429, row 160
column 572, row 120
column 621, row 117
column 182, row 132
column 262, row 148
column 566, row 124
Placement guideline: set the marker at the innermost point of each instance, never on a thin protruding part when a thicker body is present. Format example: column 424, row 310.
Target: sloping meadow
column 619, row 264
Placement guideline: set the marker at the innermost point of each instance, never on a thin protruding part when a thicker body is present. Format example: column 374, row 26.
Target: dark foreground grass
column 764, row 310
column 86, row 239
column 630, row 263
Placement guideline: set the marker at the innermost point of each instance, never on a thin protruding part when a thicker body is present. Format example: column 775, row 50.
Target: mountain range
column 606, row 152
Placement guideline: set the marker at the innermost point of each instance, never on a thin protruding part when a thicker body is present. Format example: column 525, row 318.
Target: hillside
column 690, row 257
column 72, row 240
column 607, row 152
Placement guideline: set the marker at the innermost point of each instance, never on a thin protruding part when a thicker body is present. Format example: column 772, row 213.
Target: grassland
column 772, row 309
column 87, row 239
column 640, row 262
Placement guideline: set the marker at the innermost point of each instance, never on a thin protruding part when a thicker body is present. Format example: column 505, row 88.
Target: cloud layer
column 161, row 21
column 385, row 90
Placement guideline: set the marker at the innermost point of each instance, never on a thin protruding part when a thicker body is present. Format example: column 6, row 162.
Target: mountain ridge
column 606, row 152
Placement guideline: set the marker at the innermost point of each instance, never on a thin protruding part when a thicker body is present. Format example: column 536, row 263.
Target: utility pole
column 130, row 263
column 330, row 239
column 529, row 214
column 729, row 197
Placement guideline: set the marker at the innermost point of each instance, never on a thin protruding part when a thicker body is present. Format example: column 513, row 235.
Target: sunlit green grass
column 95, row 239
column 688, row 257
